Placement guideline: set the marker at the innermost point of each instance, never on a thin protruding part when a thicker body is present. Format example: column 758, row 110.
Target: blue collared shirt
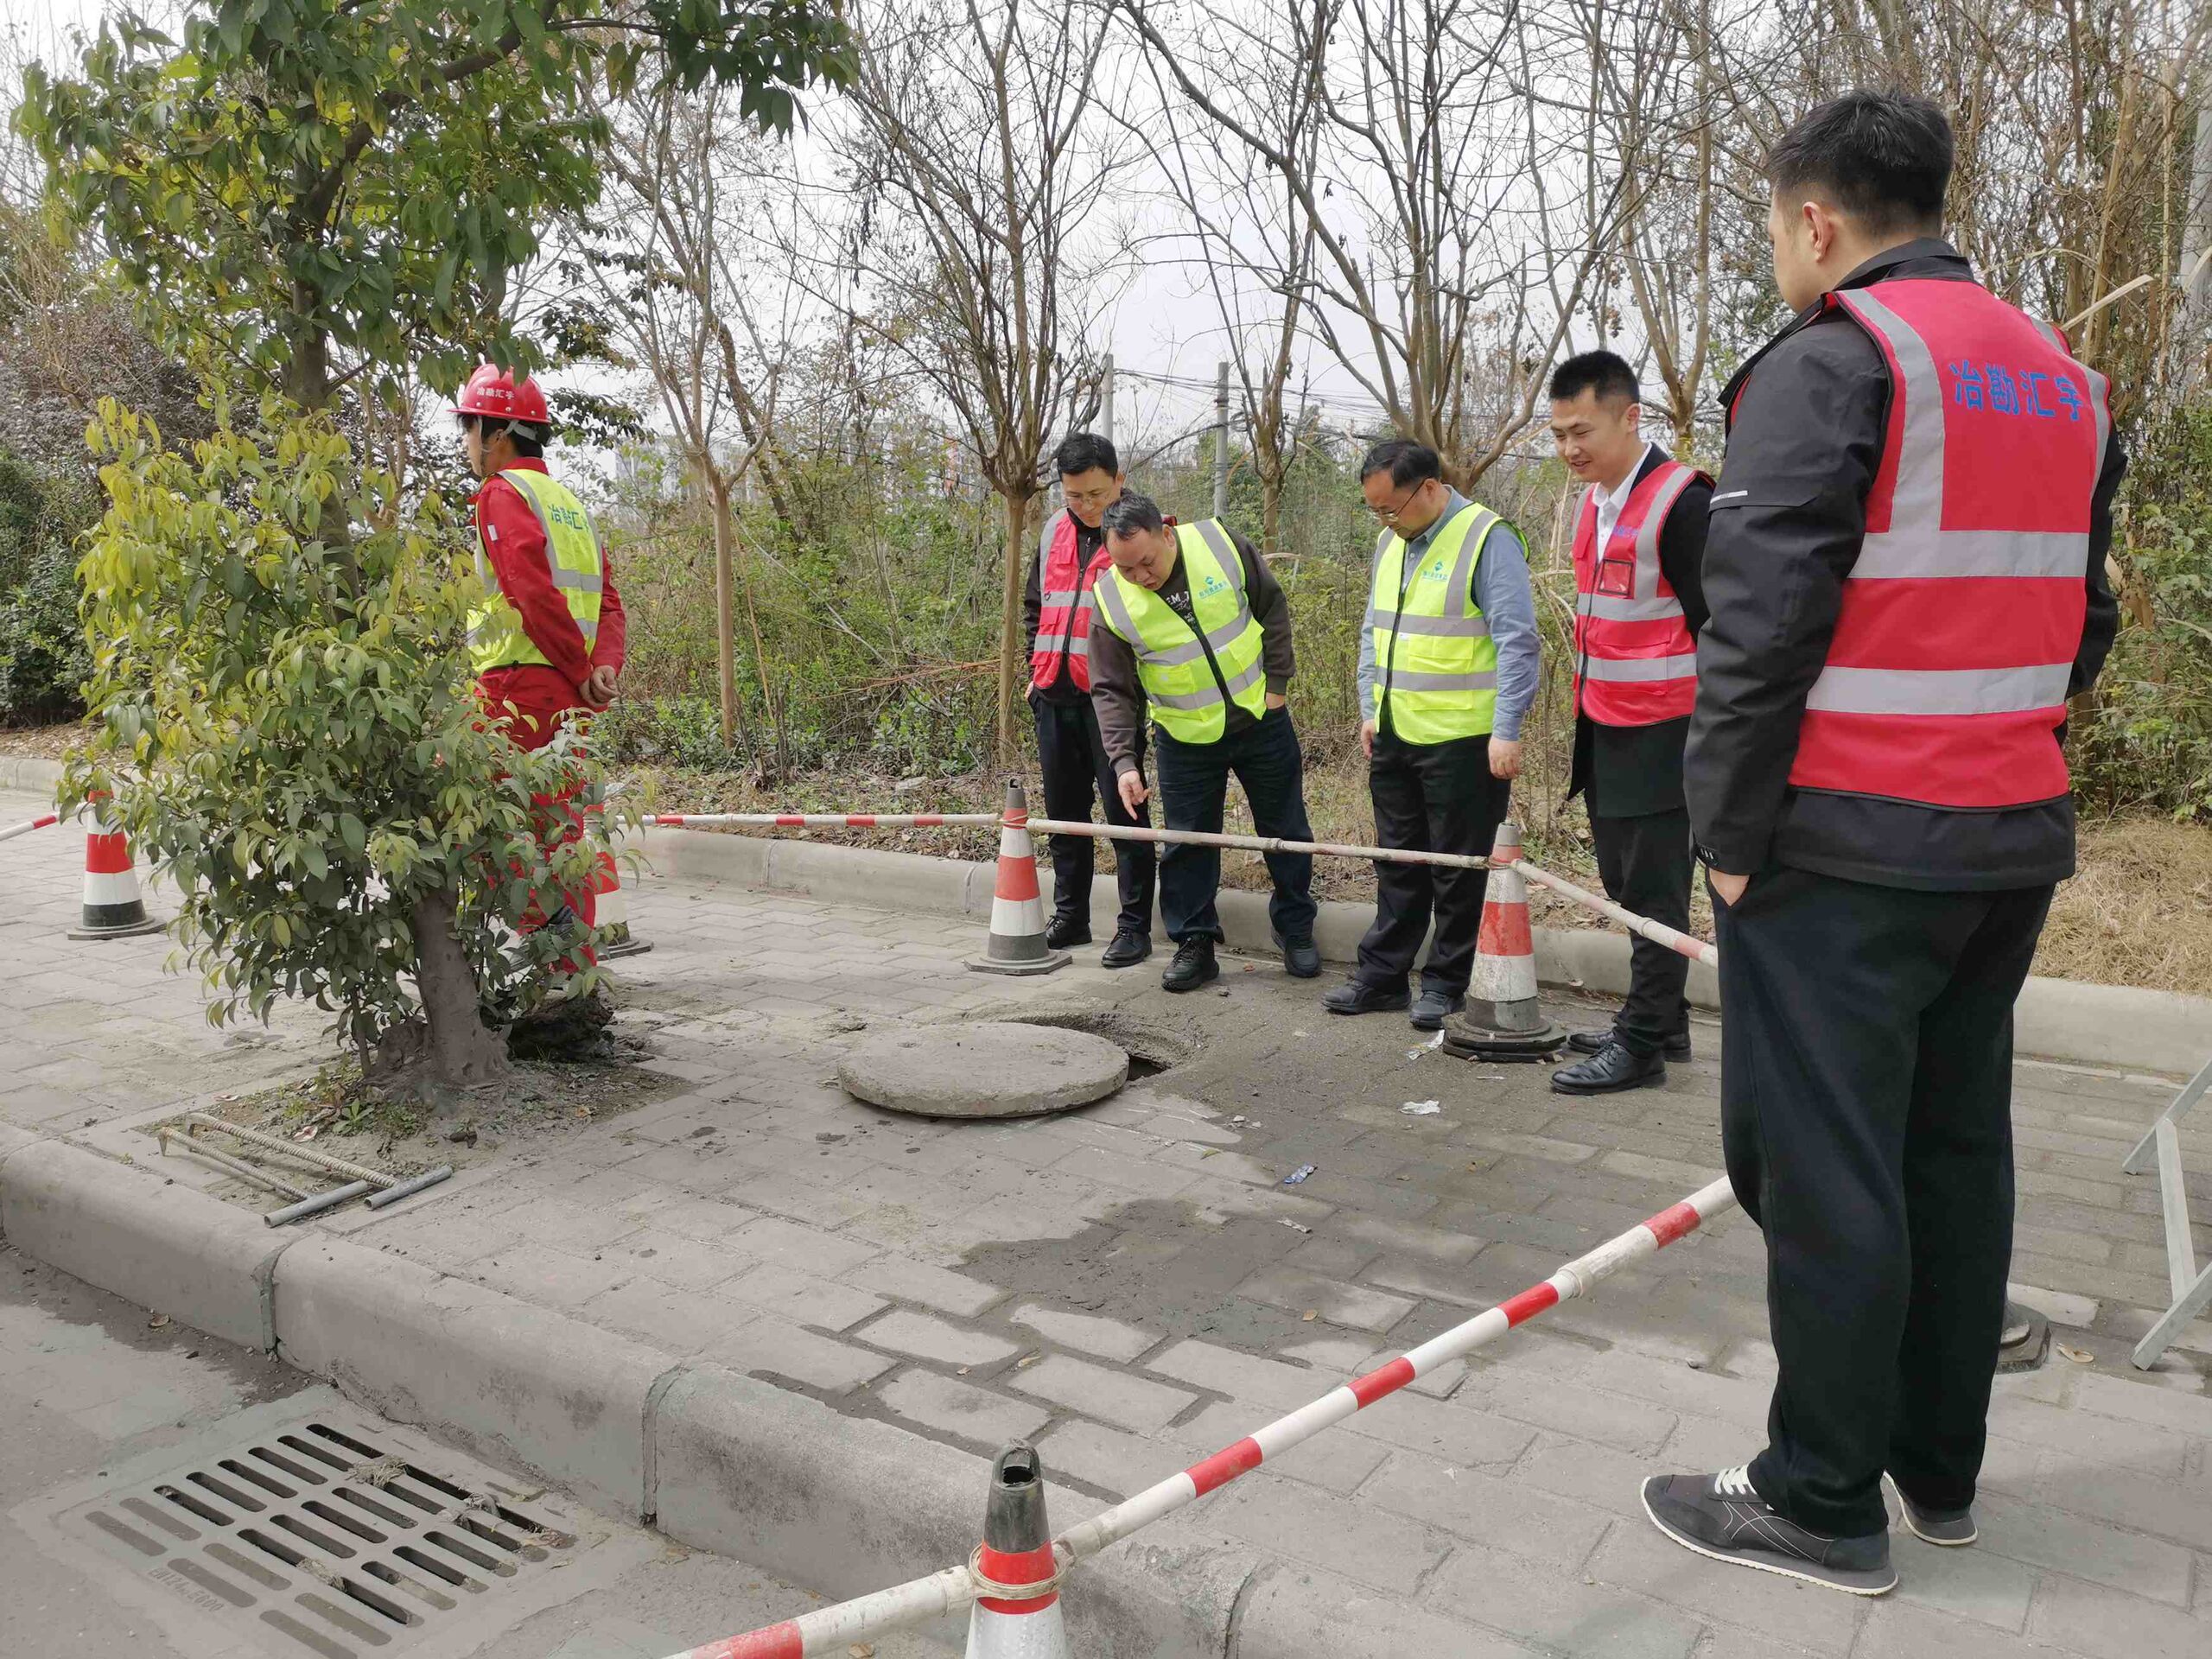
column 1502, row 595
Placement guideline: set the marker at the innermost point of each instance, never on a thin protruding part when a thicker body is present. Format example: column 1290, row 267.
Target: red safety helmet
column 492, row 392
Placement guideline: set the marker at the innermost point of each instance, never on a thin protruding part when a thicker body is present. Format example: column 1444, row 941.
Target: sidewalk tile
column 1355, row 1306
column 954, row 1407
column 1561, row 1611
column 1498, row 1513
column 1114, row 1397
column 1107, row 1338
column 2097, row 1622
column 1342, row 1535
column 802, row 1297
column 764, row 1345
column 926, row 1336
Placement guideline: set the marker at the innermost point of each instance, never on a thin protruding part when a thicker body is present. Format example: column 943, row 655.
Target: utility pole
column 1221, row 442
column 1106, row 396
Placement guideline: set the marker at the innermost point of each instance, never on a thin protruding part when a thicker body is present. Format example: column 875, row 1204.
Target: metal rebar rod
column 1658, row 932
column 238, row 1166
column 317, row 1204
column 828, row 1630
column 375, row 1177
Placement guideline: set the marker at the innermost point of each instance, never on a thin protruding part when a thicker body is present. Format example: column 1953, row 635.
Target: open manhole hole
column 331, row 1537
column 1153, row 1045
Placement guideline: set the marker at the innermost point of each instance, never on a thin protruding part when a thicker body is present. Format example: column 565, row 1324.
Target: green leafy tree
column 317, row 199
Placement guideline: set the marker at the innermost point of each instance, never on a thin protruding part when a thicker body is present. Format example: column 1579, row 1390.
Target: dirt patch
column 45, row 742
column 541, row 1105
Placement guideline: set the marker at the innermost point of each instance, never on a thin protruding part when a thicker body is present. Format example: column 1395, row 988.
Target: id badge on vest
column 1616, row 577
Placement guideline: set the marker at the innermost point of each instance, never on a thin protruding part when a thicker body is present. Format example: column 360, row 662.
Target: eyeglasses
column 1389, row 515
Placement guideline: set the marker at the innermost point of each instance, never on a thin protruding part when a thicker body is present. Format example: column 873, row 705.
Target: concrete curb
column 716, row 1459
column 162, row 1246
column 30, row 771
column 2056, row 1019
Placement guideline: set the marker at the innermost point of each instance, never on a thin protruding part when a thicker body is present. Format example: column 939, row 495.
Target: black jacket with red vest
column 1905, row 571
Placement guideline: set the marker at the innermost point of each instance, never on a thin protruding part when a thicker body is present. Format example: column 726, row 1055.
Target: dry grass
column 2140, row 910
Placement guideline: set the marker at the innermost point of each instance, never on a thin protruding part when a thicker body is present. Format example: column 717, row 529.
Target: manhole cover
column 332, row 1536
column 990, row 1070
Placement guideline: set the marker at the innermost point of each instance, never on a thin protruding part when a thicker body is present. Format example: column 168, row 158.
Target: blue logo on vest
column 1214, row 585
column 1435, row 571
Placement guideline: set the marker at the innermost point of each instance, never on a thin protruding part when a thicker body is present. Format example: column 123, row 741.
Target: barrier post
column 114, row 908
column 1017, row 939
column 1017, row 1610
column 1503, row 1019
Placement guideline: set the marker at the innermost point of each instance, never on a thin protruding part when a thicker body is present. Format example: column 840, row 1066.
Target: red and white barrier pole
column 826, row 820
column 14, row 829
column 821, row 1632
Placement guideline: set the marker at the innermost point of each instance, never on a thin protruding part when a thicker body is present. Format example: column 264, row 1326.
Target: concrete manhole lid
column 987, row 1069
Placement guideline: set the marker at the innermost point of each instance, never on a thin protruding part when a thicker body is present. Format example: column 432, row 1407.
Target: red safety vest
column 1635, row 664
column 1946, row 679
column 1064, row 617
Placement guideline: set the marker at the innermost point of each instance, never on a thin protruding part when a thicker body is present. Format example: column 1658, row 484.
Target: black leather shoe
column 1065, row 930
column 1431, row 1007
column 1355, row 997
column 1193, row 967
column 1129, row 949
column 1302, row 958
column 1677, row 1047
column 1612, row 1068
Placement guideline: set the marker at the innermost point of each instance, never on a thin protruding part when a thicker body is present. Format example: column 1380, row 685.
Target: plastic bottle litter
column 1421, row 1108
column 1299, row 1174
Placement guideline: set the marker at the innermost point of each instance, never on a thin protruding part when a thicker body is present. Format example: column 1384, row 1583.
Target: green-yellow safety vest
column 1188, row 704
column 496, row 636
column 1435, row 663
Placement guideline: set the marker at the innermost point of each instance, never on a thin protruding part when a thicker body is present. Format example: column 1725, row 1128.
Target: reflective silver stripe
column 582, row 582
column 1052, row 597
column 1045, row 534
column 1642, row 670
column 1916, row 500
column 1403, row 682
column 1647, row 533
column 1906, row 553
column 1940, row 691
column 1217, row 542
column 1612, row 608
column 1113, row 610
column 1448, row 627
column 1075, row 646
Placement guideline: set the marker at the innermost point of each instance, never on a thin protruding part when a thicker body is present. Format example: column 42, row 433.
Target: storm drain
column 330, row 1537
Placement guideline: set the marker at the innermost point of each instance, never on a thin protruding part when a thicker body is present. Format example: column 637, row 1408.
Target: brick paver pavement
column 1133, row 1285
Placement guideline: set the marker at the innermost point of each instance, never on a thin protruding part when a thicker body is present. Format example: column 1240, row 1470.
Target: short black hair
column 1606, row 373
column 1081, row 451
column 1883, row 158
column 1407, row 462
column 1133, row 515
column 529, row 440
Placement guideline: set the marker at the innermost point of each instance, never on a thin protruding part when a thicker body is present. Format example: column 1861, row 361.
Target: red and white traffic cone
column 1017, row 942
column 1016, row 1557
column 1503, row 1019
column 114, row 908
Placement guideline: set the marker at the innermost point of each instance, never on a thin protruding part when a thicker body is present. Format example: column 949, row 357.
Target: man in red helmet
column 547, row 642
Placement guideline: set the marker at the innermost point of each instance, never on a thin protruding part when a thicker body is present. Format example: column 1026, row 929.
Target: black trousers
column 1430, row 798
column 1076, row 772
column 1645, row 864
column 1866, row 1095
column 1193, row 790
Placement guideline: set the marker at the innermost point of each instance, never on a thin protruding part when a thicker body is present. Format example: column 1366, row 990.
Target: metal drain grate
column 331, row 1537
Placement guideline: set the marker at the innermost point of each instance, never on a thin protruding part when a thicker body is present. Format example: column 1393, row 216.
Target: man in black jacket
column 1904, row 572
column 1639, row 602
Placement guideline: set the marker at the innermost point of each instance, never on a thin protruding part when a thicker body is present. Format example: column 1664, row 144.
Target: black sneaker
column 1677, row 1047
column 1723, row 1518
column 1065, row 930
column 1431, row 1008
column 1302, row 958
column 1129, row 948
column 1354, row 996
column 1947, row 1529
column 1193, row 965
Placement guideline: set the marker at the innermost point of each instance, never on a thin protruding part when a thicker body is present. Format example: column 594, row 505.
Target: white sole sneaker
column 1942, row 1535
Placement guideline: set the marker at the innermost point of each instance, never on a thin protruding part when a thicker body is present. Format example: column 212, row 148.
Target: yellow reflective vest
column 496, row 636
column 1435, row 663
column 1188, row 704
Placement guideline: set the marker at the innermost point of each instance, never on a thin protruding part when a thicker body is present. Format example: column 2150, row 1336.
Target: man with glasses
column 1194, row 628
column 1060, row 608
column 1448, row 669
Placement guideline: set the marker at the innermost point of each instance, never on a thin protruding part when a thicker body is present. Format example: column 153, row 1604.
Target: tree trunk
column 725, row 607
column 460, row 1053
column 1010, row 653
column 775, row 709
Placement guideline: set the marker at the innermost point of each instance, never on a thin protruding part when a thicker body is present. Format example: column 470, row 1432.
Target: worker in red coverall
column 546, row 645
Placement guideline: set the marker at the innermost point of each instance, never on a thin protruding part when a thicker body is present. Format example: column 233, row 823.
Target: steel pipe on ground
column 375, row 1177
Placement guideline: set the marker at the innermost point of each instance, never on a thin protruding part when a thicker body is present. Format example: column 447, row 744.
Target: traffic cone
column 1017, row 942
column 114, row 908
column 1503, row 1019
column 1017, row 1554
